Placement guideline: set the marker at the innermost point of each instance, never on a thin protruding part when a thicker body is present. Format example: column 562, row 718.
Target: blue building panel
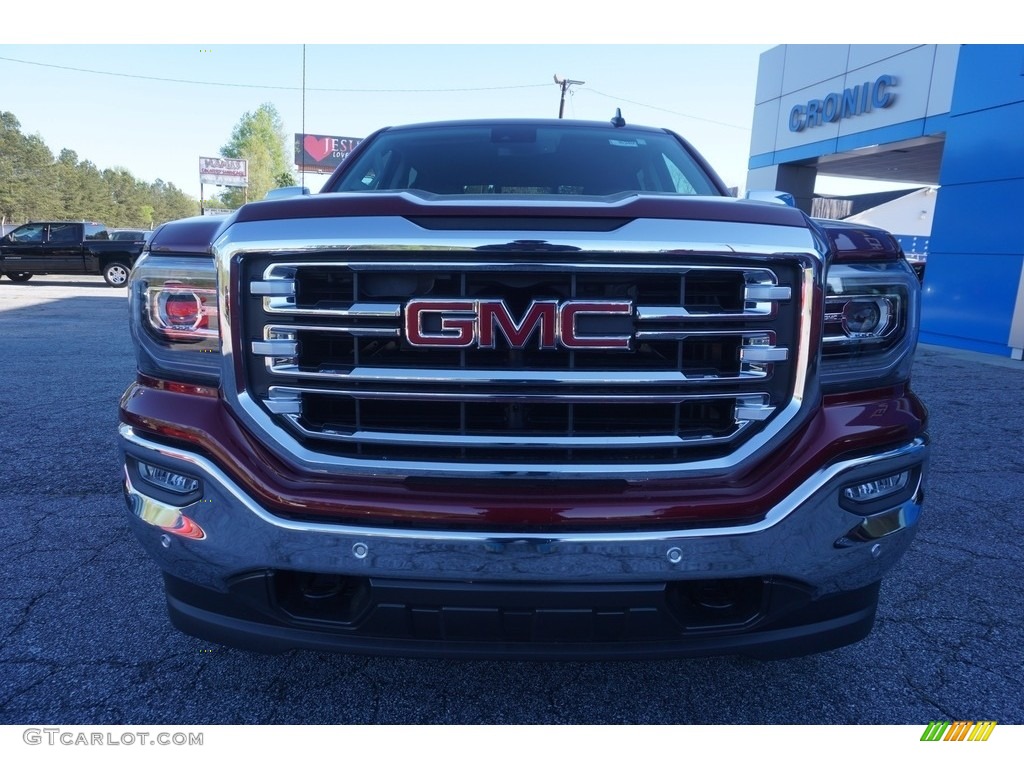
column 969, row 300
column 912, row 129
column 985, row 145
column 761, row 161
column 805, row 152
column 936, row 124
column 979, row 218
column 988, row 76
column 969, row 344
column 916, row 244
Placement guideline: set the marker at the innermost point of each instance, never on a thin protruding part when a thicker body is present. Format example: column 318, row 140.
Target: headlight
column 182, row 311
column 870, row 324
column 860, row 321
column 174, row 318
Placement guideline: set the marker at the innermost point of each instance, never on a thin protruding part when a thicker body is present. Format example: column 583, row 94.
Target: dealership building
column 945, row 116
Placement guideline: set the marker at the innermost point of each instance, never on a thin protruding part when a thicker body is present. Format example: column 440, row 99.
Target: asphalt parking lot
column 86, row 638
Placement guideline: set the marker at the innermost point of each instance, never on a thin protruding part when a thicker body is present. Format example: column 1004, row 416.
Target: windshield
column 523, row 159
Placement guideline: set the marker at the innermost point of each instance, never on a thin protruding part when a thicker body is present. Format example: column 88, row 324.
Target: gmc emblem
column 478, row 322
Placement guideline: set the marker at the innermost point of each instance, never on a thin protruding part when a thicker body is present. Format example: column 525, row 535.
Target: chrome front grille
column 711, row 359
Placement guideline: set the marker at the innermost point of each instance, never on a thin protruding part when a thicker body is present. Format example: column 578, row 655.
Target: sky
column 154, row 109
column 155, row 106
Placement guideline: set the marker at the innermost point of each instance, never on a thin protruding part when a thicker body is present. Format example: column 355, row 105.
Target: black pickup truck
column 68, row 248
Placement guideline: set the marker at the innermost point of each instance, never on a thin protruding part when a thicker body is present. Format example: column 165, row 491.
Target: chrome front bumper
column 809, row 537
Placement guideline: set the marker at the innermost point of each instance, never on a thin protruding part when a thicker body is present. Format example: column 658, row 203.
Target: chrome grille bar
column 283, row 398
column 337, row 371
column 505, row 441
column 278, row 286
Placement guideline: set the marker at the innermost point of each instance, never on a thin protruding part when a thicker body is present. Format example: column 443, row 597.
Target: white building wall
column 911, row 214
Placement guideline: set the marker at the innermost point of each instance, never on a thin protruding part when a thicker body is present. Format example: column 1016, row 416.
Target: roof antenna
column 618, row 121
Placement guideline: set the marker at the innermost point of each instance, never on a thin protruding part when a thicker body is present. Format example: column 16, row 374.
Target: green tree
column 84, row 194
column 36, row 186
column 127, row 195
column 171, row 203
column 260, row 139
column 26, row 175
column 286, row 179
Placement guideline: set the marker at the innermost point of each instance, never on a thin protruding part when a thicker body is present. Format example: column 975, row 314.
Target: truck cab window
column 31, row 233
column 63, row 233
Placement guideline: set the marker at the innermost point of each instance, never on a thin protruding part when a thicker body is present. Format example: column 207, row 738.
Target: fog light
column 863, row 493
column 168, row 480
column 160, row 513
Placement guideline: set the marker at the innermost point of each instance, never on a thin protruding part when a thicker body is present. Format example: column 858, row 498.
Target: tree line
column 36, row 186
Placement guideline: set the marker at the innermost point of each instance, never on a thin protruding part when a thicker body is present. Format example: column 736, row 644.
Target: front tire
column 19, row 277
column 116, row 274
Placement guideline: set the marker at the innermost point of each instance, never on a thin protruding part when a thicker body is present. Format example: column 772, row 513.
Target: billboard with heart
column 322, row 153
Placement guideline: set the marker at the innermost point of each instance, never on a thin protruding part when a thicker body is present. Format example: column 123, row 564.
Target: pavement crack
column 54, row 669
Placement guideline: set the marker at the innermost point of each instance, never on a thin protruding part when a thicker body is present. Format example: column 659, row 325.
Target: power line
column 670, row 111
column 359, row 90
column 271, row 87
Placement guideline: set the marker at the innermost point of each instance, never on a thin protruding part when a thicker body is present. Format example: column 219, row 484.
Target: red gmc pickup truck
column 524, row 388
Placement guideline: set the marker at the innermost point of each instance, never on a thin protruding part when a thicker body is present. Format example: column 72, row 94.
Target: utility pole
column 565, row 83
column 302, row 183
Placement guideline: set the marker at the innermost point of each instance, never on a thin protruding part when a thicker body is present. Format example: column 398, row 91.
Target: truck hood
column 625, row 206
column 188, row 236
column 195, row 235
column 856, row 242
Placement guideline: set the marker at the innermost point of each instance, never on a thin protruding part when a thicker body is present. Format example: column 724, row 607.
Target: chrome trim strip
column 676, row 267
column 504, row 441
column 314, row 236
column 682, row 333
column 285, row 402
column 275, row 348
column 352, row 330
column 499, row 376
column 275, row 287
column 681, row 314
column 287, row 393
column 362, row 310
column 753, row 409
column 804, row 367
column 375, row 310
column 511, row 396
column 768, row 293
column 762, row 354
column 914, row 451
column 666, row 335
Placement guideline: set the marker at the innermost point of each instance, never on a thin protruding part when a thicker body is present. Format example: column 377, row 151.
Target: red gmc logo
column 477, row 323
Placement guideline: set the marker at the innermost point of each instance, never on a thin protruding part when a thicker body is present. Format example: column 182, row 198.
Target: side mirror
column 771, row 196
